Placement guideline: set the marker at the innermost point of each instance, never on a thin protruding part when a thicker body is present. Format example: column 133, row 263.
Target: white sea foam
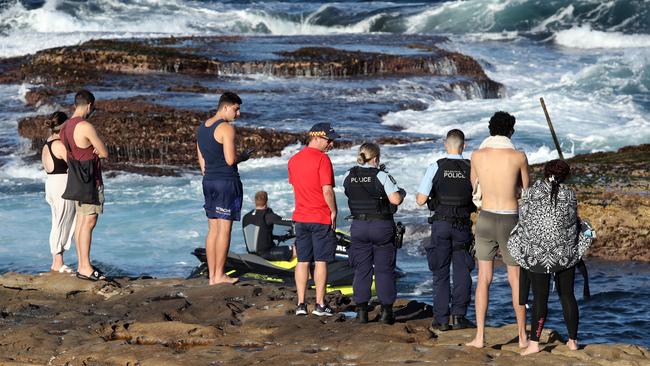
column 17, row 169
column 587, row 38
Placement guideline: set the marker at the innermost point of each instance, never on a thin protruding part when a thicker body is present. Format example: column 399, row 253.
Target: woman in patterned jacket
column 550, row 239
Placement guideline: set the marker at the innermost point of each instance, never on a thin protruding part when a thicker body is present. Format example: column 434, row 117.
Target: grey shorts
column 492, row 234
column 86, row 209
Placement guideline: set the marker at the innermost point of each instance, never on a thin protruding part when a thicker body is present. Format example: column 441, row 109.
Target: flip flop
column 65, row 269
column 94, row 276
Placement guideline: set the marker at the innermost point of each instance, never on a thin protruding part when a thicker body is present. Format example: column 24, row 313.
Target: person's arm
column 275, row 219
column 200, row 158
column 330, row 199
column 90, row 133
column 326, row 179
column 395, row 194
column 525, row 176
column 227, row 134
column 425, row 185
column 473, row 176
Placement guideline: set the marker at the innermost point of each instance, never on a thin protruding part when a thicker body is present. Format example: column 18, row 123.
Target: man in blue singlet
column 222, row 188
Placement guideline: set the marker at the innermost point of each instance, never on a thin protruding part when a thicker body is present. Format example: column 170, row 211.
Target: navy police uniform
column 447, row 184
column 372, row 232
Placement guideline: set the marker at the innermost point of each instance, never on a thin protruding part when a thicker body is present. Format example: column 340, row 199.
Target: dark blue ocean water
column 589, row 59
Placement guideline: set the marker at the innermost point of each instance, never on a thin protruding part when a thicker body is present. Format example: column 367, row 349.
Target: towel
column 495, row 142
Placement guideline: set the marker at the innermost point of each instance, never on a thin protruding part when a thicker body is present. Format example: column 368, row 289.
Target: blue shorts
column 315, row 242
column 223, row 198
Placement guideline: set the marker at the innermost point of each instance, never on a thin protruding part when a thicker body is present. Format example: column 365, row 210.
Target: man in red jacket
column 312, row 177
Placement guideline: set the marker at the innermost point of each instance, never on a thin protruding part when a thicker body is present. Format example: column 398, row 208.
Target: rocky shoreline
column 613, row 190
column 56, row 319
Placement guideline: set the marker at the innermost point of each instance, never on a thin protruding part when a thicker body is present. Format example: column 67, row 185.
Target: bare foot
column 572, row 344
column 476, row 343
column 533, row 347
column 524, row 343
column 225, row 279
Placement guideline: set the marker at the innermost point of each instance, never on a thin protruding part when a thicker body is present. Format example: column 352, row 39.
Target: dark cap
column 323, row 129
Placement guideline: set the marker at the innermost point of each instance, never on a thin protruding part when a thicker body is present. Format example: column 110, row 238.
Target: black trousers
column 540, row 282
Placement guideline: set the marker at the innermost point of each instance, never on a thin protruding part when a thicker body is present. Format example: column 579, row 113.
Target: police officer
column 447, row 191
column 373, row 197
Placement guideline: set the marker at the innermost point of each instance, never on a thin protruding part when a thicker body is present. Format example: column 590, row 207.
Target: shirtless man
column 501, row 172
column 222, row 188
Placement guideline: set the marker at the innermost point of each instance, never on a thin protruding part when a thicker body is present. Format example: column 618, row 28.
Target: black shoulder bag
column 81, row 185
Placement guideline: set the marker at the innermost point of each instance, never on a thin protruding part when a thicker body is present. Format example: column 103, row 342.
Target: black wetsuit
column 265, row 246
column 564, row 283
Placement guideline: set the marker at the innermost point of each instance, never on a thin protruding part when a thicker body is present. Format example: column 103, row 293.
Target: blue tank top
column 212, row 151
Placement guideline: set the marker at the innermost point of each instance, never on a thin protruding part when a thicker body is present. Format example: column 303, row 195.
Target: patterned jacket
column 548, row 238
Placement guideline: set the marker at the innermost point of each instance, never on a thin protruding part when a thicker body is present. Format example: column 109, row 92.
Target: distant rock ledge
column 92, row 61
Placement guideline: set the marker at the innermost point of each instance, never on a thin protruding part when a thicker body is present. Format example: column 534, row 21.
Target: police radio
column 400, row 229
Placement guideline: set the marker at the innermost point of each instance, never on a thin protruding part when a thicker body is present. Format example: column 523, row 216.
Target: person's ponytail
column 367, row 152
column 556, row 172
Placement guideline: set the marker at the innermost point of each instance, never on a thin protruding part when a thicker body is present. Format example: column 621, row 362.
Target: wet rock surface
column 95, row 61
column 614, row 196
column 146, row 138
column 60, row 320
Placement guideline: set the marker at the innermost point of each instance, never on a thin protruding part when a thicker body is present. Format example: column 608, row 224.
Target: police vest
column 451, row 191
column 366, row 194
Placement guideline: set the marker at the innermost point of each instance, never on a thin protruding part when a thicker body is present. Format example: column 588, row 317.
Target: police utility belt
column 371, row 217
column 455, row 221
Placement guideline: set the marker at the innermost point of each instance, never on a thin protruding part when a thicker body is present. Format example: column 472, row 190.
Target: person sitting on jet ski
column 258, row 231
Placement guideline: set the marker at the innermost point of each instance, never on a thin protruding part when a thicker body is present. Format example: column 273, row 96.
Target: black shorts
column 315, row 242
column 223, row 199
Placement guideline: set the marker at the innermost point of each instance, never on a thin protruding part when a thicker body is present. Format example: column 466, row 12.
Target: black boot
column 461, row 322
column 362, row 312
column 387, row 316
column 439, row 326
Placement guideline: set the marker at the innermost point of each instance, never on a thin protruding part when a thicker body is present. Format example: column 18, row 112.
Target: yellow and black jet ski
column 339, row 273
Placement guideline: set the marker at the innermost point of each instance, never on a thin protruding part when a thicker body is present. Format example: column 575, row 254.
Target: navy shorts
column 315, row 242
column 223, row 199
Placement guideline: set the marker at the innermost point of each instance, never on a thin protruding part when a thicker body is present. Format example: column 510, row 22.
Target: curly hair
column 501, row 124
column 556, row 172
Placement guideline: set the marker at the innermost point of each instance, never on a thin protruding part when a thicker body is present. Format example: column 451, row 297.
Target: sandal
column 94, row 276
column 65, row 269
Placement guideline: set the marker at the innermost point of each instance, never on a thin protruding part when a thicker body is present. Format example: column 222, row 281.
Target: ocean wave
column 26, row 26
column 587, row 38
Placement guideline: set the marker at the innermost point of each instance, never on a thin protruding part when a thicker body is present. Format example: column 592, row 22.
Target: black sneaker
column 441, row 327
column 301, row 309
column 323, row 310
column 461, row 322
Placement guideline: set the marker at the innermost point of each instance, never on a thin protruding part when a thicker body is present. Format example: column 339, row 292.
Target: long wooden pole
column 550, row 126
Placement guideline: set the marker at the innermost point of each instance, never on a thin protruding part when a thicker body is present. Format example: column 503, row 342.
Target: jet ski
column 249, row 265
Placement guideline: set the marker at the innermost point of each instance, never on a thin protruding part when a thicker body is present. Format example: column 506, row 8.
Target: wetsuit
column 564, row 284
column 258, row 229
